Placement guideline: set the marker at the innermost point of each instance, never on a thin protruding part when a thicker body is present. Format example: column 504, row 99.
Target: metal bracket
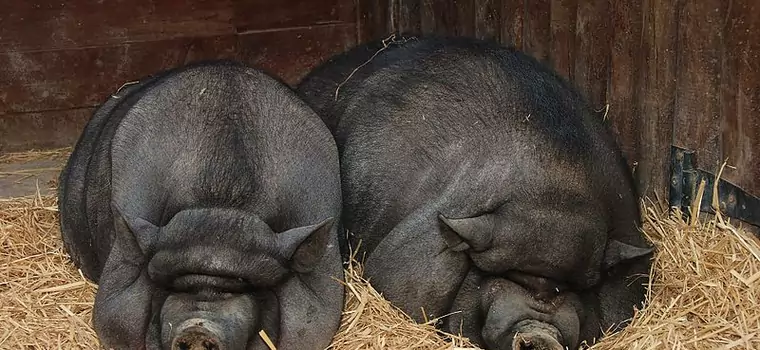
column 684, row 183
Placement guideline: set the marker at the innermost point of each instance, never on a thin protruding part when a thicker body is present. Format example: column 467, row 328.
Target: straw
column 704, row 291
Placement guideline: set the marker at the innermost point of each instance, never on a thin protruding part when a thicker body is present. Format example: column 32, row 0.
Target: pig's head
column 208, row 279
column 534, row 284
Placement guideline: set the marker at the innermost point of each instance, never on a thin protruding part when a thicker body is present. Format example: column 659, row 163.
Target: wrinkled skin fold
column 204, row 202
column 480, row 183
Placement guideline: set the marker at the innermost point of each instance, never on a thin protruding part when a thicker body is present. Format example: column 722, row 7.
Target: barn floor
column 22, row 174
column 705, row 290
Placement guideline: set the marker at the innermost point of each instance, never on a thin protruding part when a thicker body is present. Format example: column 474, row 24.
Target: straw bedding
column 704, row 292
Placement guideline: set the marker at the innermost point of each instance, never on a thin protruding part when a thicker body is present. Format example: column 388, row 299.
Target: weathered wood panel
column 742, row 145
column 657, row 96
column 257, row 15
column 624, row 80
column 42, row 130
column 487, row 20
column 739, row 88
column 292, row 54
column 512, row 22
column 562, row 55
column 72, row 78
column 409, row 16
column 37, row 82
column 537, row 29
column 697, row 115
column 438, row 16
column 593, row 51
column 48, row 24
column 58, row 60
column 374, row 19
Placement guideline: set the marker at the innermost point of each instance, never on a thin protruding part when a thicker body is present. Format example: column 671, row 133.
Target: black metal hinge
column 684, row 184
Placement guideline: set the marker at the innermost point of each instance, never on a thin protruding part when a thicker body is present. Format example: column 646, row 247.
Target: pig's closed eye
column 542, row 287
column 193, row 283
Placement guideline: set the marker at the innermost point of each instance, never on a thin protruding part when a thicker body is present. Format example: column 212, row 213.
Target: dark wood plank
column 465, row 17
column 625, row 63
column 70, row 79
column 697, row 115
column 512, row 22
column 740, row 131
column 438, row 16
column 291, row 54
column 255, row 15
column 592, row 50
column 374, row 19
column 64, row 79
column 537, row 36
column 734, row 39
column 487, row 18
column 562, row 51
column 747, row 131
column 42, row 130
column 657, row 96
column 73, row 78
column 47, row 24
column 409, row 16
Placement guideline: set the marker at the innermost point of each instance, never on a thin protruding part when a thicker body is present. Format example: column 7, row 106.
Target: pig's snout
column 198, row 334
column 535, row 335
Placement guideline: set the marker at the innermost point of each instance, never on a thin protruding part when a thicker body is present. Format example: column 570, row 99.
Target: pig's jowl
column 480, row 183
column 204, row 202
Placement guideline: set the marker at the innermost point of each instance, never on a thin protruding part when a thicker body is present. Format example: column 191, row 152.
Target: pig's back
column 225, row 136
column 419, row 122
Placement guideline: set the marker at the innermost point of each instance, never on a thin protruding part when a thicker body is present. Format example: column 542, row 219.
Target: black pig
column 202, row 200
column 480, row 183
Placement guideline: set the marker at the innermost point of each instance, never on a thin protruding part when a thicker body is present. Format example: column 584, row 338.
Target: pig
column 479, row 185
column 204, row 202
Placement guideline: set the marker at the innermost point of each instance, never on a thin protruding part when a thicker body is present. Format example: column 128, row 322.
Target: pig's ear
column 473, row 233
column 618, row 252
column 304, row 246
column 142, row 231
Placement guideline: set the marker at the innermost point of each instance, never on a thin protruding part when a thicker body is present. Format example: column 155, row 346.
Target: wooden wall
column 683, row 72
column 60, row 59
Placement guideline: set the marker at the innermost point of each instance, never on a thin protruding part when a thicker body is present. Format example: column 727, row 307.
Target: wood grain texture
column 512, row 22
column 42, row 130
column 64, row 79
column 697, row 114
column 562, row 46
column 657, row 96
column 73, row 78
column 742, row 143
column 487, row 20
column 291, row 54
column 438, row 16
column 739, row 97
column 592, row 48
column 373, row 19
column 409, row 16
column 257, row 15
column 48, row 24
column 625, row 79
column 465, row 17
column 537, row 29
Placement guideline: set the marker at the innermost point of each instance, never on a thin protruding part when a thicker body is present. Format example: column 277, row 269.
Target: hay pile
column 704, row 293
column 35, row 155
column 705, row 289
column 44, row 302
column 370, row 322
